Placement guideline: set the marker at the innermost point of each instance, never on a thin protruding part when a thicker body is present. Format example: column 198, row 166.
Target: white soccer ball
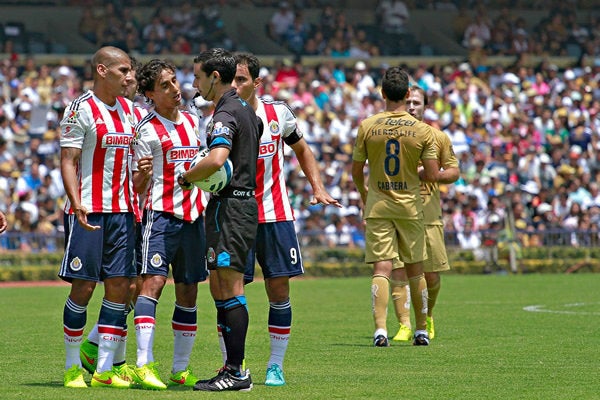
column 216, row 181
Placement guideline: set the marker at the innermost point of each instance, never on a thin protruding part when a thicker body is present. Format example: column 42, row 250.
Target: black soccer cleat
column 225, row 380
column 421, row 339
column 381, row 341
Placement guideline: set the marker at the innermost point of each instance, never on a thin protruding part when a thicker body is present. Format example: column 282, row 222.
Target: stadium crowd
column 527, row 138
column 188, row 27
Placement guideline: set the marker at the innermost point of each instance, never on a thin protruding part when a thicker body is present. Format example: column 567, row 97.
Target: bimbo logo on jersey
column 116, row 139
column 267, row 149
column 179, row 154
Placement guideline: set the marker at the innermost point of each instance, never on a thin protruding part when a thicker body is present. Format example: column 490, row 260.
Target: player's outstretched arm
column 309, row 166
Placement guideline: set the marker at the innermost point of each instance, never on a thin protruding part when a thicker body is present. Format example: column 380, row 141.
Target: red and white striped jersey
column 104, row 134
column 172, row 146
column 138, row 200
column 271, row 192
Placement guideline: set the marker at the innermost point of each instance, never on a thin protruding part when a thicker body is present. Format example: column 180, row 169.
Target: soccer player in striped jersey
column 166, row 141
column 276, row 248
column 96, row 132
column 89, row 348
column 437, row 259
column 394, row 143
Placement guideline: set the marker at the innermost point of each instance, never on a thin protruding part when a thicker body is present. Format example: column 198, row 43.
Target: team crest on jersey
column 211, row 256
column 76, row 264
column 71, row 117
column 156, row 260
column 274, row 127
column 130, row 119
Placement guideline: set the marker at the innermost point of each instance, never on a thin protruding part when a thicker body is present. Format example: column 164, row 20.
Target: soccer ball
column 216, row 181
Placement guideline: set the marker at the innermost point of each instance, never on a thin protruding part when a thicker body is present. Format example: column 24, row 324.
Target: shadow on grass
column 57, row 384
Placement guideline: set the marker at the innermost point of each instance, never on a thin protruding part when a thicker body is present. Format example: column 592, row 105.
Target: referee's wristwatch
column 183, row 182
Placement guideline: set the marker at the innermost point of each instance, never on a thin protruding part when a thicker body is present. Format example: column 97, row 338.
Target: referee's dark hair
column 220, row 60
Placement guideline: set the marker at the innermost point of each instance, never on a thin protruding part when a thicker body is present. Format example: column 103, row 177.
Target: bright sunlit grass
column 498, row 337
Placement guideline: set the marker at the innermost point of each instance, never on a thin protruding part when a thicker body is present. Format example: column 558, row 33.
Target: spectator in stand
column 392, row 17
column 88, row 25
column 280, row 22
column 297, row 34
column 520, row 42
column 287, row 75
column 478, row 32
column 327, row 21
column 154, row 31
column 469, row 239
column 338, row 232
column 362, row 80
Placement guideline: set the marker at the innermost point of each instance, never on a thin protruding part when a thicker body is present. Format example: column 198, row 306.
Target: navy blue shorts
column 167, row 240
column 97, row 255
column 230, row 231
column 276, row 250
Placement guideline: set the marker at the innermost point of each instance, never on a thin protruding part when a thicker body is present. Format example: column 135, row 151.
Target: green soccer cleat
column 274, row 376
column 404, row 334
column 430, row 328
column 88, row 353
column 109, row 379
column 149, row 378
column 183, row 378
column 74, row 378
column 127, row 373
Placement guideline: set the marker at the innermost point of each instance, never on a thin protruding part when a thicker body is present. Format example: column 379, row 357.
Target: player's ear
column 101, row 69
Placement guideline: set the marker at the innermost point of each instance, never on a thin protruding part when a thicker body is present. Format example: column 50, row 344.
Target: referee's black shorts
column 231, row 224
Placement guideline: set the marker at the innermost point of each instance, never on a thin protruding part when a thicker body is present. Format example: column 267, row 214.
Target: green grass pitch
column 497, row 337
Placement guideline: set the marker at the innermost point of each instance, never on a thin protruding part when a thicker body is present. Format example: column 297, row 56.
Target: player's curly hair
column 148, row 74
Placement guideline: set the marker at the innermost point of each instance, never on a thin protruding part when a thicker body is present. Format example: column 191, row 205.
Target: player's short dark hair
column 395, row 84
column 148, row 73
column 251, row 61
column 220, row 60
